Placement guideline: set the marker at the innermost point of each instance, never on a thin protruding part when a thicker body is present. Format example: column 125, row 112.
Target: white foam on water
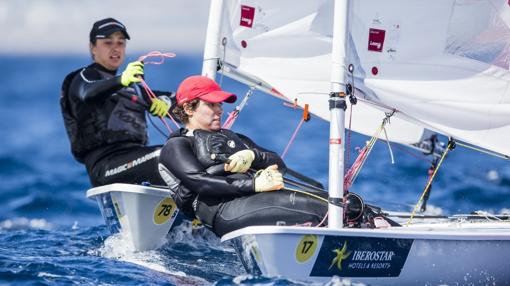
column 433, row 210
column 119, row 247
column 22, row 222
column 337, row 281
column 195, row 237
column 46, row 274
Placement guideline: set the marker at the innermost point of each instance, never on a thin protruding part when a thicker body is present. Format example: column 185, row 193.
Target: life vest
column 211, row 149
column 214, row 148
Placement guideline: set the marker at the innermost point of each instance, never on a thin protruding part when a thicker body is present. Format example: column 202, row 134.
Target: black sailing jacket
column 188, row 158
column 99, row 115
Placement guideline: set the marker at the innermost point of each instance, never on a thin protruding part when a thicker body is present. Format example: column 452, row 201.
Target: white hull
column 142, row 214
column 449, row 253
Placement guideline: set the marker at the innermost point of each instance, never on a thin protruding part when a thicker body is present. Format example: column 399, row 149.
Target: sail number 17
column 306, row 247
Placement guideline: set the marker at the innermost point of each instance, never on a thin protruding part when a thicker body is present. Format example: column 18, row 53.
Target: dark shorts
column 133, row 166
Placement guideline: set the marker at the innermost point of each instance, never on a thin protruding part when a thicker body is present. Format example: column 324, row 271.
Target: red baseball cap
column 204, row 88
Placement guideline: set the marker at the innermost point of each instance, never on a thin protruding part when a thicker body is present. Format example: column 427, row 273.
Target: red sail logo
column 247, row 16
column 376, row 40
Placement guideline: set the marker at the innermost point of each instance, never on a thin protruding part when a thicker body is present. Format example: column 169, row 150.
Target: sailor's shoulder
column 90, row 73
column 176, row 145
column 177, row 138
column 181, row 132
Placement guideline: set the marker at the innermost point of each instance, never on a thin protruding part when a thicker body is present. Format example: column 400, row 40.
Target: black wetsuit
column 107, row 128
column 227, row 201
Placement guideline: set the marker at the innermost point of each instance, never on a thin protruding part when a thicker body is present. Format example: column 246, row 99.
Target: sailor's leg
column 132, row 166
column 269, row 208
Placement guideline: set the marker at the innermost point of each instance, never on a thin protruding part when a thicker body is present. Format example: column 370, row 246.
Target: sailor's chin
column 215, row 126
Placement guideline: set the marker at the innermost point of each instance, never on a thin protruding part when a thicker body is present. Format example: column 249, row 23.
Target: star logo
column 341, row 254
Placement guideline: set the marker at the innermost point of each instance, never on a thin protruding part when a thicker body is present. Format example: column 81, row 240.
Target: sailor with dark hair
column 106, row 127
column 224, row 178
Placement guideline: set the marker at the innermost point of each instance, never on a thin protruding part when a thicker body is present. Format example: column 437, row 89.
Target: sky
column 63, row 26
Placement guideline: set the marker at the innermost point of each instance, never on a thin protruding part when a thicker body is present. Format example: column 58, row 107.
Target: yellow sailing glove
column 269, row 179
column 240, row 161
column 159, row 106
column 131, row 73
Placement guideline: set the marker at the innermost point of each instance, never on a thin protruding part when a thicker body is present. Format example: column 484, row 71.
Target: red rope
column 348, row 145
column 159, row 54
column 148, row 90
column 232, row 116
column 306, row 117
column 292, row 138
column 349, row 176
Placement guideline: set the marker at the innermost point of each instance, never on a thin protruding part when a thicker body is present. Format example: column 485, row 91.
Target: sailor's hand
column 269, row 179
column 159, row 106
column 240, row 161
column 131, row 73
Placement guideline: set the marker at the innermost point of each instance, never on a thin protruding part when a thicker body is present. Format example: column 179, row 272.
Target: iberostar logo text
column 341, row 255
column 360, row 256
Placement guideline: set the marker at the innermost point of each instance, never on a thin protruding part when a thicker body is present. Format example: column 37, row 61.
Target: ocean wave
column 25, row 223
column 119, row 247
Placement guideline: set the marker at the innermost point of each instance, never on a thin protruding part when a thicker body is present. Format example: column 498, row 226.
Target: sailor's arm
column 89, row 85
column 178, row 157
column 263, row 157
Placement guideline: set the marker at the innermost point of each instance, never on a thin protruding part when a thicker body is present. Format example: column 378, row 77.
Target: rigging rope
column 148, row 90
column 232, row 116
column 292, row 138
column 348, row 143
column 353, row 100
column 306, row 117
column 505, row 157
column 353, row 172
column 389, row 146
column 450, row 146
column 313, row 196
column 224, row 44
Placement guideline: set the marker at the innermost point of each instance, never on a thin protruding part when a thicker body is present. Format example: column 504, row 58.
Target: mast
column 337, row 106
column 212, row 40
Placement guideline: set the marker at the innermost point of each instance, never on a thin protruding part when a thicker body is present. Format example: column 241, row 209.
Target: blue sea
column 51, row 234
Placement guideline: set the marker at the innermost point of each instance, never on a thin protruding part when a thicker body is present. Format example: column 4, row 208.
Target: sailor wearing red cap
column 224, row 178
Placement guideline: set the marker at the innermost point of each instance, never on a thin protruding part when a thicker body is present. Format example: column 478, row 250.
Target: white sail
column 439, row 64
column 288, row 47
column 443, row 63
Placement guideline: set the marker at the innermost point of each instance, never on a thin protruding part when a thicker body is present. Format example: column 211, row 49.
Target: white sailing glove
column 240, row 161
column 269, row 179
